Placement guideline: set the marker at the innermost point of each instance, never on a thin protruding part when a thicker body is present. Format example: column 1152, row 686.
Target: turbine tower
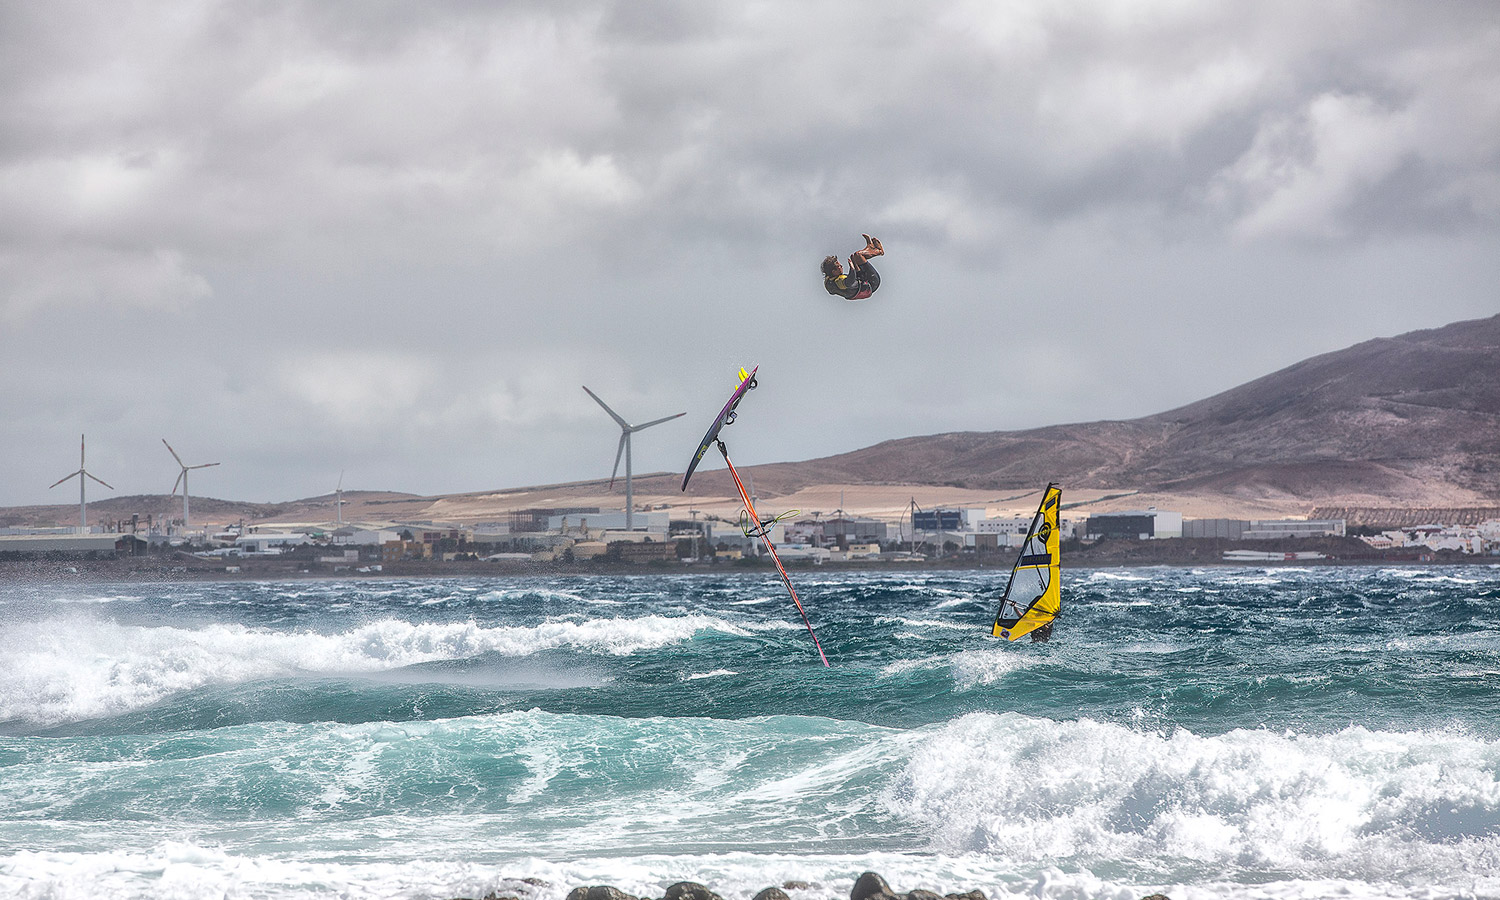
column 182, row 478
column 339, row 494
column 83, row 475
column 626, row 430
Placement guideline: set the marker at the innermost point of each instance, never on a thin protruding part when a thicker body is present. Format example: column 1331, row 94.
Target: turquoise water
column 1222, row 732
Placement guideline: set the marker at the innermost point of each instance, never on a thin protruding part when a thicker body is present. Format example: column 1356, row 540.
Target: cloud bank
column 395, row 239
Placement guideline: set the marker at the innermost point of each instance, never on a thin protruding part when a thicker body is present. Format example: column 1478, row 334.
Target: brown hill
column 1413, row 419
column 211, row 510
column 1409, row 421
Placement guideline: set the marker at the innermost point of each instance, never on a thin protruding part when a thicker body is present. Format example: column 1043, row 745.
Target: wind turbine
column 182, row 478
column 626, row 430
column 83, row 475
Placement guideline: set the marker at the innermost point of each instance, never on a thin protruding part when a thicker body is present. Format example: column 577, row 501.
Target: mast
column 764, row 534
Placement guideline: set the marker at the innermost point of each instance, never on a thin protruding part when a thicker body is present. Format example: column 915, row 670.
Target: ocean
column 1221, row 732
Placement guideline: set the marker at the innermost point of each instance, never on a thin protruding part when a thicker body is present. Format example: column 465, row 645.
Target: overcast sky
column 395, row 239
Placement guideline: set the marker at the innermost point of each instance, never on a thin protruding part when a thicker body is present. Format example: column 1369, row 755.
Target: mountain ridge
column 1383, row 417
column 1405, row 421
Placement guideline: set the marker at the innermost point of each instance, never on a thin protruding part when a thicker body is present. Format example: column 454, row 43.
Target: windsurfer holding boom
column 861, row 280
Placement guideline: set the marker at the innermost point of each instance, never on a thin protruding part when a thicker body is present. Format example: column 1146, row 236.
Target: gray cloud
column 396, row 238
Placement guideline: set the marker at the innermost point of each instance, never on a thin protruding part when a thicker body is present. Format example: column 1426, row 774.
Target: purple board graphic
column 726, row 416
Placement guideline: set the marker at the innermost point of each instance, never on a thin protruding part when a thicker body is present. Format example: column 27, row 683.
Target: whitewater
column 1220, row 732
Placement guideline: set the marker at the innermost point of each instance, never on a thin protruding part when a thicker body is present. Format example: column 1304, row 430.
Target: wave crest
column 1388, row 804
column 63, row 670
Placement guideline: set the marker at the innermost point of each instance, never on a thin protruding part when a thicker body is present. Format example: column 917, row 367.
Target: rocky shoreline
column 868, row 886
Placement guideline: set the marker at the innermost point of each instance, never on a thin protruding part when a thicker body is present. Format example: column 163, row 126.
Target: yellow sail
column 1033, row 595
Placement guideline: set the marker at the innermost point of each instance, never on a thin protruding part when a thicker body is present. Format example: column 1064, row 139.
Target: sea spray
column 1223, row 732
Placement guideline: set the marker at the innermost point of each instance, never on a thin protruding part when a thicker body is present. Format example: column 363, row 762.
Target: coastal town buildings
column 1482, row 538
column 581, row 534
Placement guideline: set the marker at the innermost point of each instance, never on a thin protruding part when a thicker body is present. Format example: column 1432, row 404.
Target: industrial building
column 1261, row 529
column 1270, row 529
column 608, row 521
column 946, row 519
column 842, row 530
column 271, row 541
column 1227, row 529
column 1139, row 524
column 76, row 544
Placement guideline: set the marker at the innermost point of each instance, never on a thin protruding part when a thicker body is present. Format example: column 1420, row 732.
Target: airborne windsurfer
column 861, row 280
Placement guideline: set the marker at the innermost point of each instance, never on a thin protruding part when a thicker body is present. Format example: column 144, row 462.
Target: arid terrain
column 1396, row 423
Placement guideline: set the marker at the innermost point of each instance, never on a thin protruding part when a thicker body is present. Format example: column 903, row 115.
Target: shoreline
column 1175, row 553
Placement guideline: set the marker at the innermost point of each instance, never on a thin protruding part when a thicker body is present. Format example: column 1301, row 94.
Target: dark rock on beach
column 688, row 890
column 869, row 886
column 599, row 892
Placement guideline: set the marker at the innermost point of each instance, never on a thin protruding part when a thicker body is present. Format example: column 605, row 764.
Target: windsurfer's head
column 831, row 267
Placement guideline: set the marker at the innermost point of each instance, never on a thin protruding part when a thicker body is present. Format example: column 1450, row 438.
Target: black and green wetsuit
column 856, row 284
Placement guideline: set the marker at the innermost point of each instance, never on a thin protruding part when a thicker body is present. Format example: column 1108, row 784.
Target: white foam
column 187, row 870
column 1116, row 576
column 1440, row 578
column 1403, row 807
column 1264, row 816
column 91, row 600
column 978, row 667
column 925, row 623
column 502, row 594
column 961, row 600
column 76, row 668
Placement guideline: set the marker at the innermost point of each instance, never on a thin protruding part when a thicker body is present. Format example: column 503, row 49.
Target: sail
column 1033, row 595
column 753, row 524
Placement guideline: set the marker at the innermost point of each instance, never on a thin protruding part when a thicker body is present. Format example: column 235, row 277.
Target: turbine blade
column 180, row 475
column 624, row 436
column 100, row 480
column 341, row 481
column 173, row 452
column 62, row 479
column 656, row 421
column 200, row 466
column 612, row 414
